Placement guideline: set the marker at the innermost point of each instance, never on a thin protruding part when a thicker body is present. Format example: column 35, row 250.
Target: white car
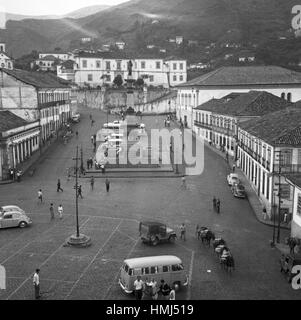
column 232, row 178
column 10, row 208
column 12, row 219
column 76, row 117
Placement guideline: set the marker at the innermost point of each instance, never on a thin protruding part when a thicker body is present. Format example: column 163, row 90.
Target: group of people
column 14, row 173
column 149, row 290
column 216, row 204
column 60, row 211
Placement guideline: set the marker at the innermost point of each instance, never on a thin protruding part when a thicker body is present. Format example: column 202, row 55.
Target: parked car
column 232, row 178
column 12, row 219
column 238, row 190
column 287, row 261
column 10, row 208
column 155, row 232
column 76, row 117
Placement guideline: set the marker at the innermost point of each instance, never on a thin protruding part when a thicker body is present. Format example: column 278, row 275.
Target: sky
column 50, row 7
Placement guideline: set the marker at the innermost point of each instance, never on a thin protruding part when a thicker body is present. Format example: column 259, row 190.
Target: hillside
column 205, row 20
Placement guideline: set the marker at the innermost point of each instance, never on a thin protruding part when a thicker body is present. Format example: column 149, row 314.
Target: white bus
column 167, row 268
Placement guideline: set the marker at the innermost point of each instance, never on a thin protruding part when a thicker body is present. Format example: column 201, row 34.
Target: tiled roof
column 277, row 128
column 37, row 79
column 48, row 58
column 246, row 75
column 69, row 64
column 254, row 103
column 9, row 120
column 294, row 178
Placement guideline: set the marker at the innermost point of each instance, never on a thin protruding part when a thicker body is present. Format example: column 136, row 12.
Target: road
column 112, row 222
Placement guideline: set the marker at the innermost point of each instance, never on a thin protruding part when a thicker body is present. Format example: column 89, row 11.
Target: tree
column 118, row 80
column 140, row 82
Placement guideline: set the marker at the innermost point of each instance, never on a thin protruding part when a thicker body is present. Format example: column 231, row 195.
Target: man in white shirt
column 36, row 283
column 138, row 285
column 60, row 211
column 40, row 195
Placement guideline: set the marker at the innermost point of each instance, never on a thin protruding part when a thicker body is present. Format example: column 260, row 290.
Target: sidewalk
column 252, row 195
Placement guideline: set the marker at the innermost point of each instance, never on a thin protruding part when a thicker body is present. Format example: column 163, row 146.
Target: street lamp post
column 78, row 239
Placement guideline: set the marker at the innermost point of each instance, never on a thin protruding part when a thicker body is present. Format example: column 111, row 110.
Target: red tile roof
column 246, row 75
column 9, row 120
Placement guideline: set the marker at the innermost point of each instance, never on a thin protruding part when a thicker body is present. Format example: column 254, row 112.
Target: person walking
column 79, row 191
column 164, row 290
column 172, row 293
column 92, row 183
column 233, row 167
column 107, row 182
column 76, row 133
column 138, row 285
column 36, row 283
column 60, row 211
column 153, row 285
column 40, row 195
column 183, row 232
column 59, row 188
column 51, row 209
column 183, row 185
column 18, row 175
column 214, row 203
column 88, row 164
column 92, row 139
column 218, row 204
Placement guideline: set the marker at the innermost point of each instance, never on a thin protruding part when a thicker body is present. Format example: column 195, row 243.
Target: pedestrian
column 40, row 195
column 60, row 211
column 172, row 293
column 76, row 133
column 138, row 285
column 102, row 169
column 107, row 184
column 92, row 139
column 183, row 185
column 92, row 183
column 11, row 173
column 264, row 213
column 68, row 174
column 214, row 203
column 51, row 209
column 183, row 232
column 59, row 188
column 218, row 204
column 233, row 167
column 94, row 149
column 79, row 191
column 36, row 283
column 154, row 293
column 164, row 290
column 18, row 175
column 92, row 122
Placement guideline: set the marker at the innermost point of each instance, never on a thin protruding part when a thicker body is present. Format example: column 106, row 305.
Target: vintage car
column 232, row 178
column 155, row 232
column 238, row 190
column 12, row 219
column 76, row 117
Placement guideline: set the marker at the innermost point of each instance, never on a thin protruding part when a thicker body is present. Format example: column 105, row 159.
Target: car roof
column 152, row 223
column 10, row 207
column 152, row 261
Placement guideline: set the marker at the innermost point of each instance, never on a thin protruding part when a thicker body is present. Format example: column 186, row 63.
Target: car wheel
column 155, row 241
column 22, row 224
column 172, row 239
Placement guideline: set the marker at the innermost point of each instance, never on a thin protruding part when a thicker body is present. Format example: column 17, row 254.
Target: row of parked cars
column 237, row 188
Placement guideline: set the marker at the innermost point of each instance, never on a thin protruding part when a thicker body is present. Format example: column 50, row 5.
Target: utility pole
column 279, row 202
column 76, row 191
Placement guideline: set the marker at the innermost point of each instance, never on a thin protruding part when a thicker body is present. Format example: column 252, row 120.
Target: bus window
column 165, row 268
column 126, row 268
column 131, row 272
column 176, row 267
column 137, row 271
column 145, row 270
column 154, row 270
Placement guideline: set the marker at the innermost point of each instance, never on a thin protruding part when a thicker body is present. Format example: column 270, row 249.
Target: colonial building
column 96, row 69
column 5, row 60
column 223, row 81
column 217, row 120
column 36, row 96
column 268, row 148
column 64, row 56
column 47, row 63
column 65, row 70
column 295, row 182
column 19, row 140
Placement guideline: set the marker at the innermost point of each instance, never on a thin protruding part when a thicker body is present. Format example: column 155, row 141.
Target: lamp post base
column 81, row 242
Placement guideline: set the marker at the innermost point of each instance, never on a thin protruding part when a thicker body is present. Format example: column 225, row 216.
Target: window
column 158, row 64
column 90, row 77
column 174, row 78
column 283, row 95
column 181, row 66
column 154, row 270
column 289, row 97
column 145, row 270
column 142, row 64
column 165, row 268
column 118, row 65
column 181, row 78
column 97, row 64
column 131, row 272
column 176, row 267
column 151, row 78
column 299, row 205
column 84, row 64
column 174, row 66
column 8, row 216
column 108, row 65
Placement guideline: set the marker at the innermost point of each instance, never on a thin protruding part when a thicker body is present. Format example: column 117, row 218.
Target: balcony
column 53, row 103
column 202, row 125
